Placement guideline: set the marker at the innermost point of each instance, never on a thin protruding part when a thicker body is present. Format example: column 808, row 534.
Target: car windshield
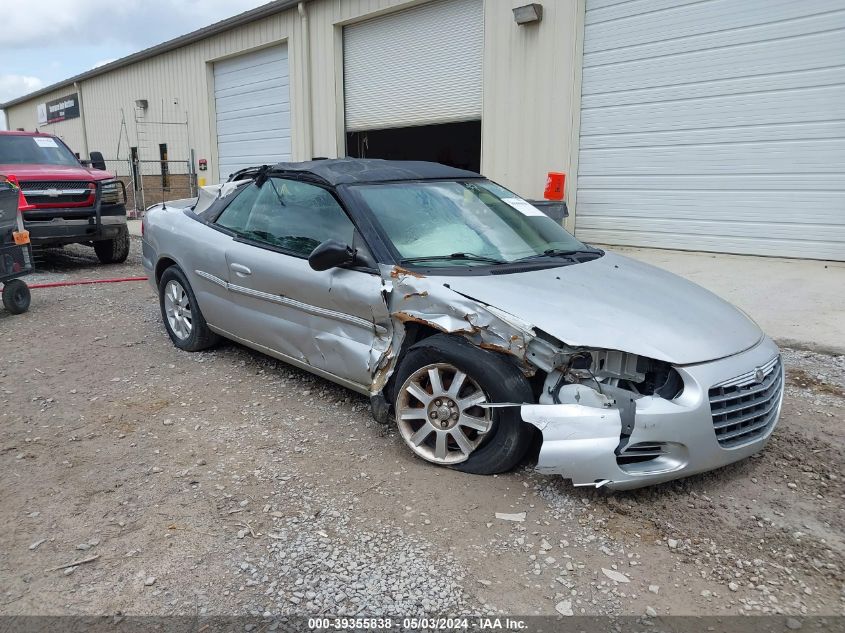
column 464, row 223
column 34, row 150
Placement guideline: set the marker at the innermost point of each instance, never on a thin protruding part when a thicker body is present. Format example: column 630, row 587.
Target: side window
column 288, row 214
column 236, row 213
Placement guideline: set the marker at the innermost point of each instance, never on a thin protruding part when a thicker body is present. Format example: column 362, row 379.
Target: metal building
column 703, row 125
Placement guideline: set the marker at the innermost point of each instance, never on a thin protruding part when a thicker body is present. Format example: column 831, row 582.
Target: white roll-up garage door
column 252, row 99
column 715, row 125
column 419, row 66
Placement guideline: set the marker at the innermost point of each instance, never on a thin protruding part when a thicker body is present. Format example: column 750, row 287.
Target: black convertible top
column 344, row 171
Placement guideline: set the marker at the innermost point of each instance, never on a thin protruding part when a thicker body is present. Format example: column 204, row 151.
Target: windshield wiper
column 460, row 256
column 561, row 252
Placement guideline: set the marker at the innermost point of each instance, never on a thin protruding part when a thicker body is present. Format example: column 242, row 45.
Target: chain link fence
column 149, row 182
column 122, row 170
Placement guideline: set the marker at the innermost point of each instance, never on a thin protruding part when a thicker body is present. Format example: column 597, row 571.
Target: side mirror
column 97, row 161
column 331, row 254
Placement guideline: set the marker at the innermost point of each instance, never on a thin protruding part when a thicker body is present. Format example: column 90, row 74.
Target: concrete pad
column 798, row 302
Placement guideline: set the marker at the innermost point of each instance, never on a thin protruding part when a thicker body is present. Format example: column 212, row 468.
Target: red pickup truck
column 72, row 202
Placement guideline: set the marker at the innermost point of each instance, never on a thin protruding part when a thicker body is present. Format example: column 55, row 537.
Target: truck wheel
column 442, row 381
column 181, row 314
column 114, row 251
column 16, row 296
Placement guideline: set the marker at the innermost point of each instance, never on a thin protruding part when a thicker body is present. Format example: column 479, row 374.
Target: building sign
column 58, row 109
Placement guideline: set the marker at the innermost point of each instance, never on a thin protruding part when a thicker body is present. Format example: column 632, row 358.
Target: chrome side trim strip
column 211, row 278
column 293, row 303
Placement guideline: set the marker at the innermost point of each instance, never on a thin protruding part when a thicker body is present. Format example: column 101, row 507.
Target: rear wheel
column 16, row 297
column 181, row 315
column 443, row 383
column 114, row 251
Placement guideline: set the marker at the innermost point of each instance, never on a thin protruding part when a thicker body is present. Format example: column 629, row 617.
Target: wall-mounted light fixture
column 141, row 104
column 528, row 14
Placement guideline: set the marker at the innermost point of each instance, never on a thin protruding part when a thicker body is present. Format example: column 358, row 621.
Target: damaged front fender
column 414, row 298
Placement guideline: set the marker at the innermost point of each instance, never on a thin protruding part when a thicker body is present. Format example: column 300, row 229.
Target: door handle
column 240, row 270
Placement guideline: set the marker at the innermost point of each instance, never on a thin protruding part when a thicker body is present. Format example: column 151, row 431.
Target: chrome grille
column 43, row 185
column 745, row 407
column 60, row 191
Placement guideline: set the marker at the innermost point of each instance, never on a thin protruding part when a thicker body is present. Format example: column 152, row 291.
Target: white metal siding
column 252, row 102
column 715, row 125
column 414, row 67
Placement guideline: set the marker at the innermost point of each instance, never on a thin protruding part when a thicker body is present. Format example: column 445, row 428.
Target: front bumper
column 584, row 444
column 71, row 230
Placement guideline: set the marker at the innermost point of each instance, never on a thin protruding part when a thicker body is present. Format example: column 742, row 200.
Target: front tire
column 441, row 382
column 181, row 314
column 16, row 297
column 114, row 251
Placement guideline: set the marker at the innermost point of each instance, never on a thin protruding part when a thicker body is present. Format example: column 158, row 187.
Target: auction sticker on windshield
column 44, row 141
column 526, row 208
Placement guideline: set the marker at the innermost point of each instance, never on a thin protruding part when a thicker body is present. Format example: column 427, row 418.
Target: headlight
column 112, row 192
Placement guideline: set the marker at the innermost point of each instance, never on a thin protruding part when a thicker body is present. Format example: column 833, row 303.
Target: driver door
column 332, row 322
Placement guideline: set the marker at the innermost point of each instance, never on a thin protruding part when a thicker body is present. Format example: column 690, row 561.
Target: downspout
column 85, row 154
column 306, row 83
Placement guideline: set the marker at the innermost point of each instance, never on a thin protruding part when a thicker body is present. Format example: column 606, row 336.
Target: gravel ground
column 226, row 482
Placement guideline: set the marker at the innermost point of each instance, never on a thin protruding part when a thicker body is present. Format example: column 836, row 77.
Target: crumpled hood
column 618, row 303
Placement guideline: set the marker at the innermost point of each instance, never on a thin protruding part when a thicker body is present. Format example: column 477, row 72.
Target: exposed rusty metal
column 414, row 298
column 383, row 371
column 495, row 348
column 398, row 271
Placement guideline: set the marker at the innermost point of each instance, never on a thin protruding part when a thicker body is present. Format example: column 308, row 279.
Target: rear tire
column 181, row 314
column 16, row 297
column 114, row 251
column 438, row 381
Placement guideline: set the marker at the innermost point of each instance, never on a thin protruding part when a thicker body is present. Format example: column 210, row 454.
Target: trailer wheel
column 16, row 296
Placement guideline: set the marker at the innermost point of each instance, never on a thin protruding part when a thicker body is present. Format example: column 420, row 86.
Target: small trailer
column 15, row 249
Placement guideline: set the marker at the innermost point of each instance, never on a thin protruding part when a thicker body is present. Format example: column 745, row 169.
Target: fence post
column 134, row 189
column 193, row 173
column 140, row 189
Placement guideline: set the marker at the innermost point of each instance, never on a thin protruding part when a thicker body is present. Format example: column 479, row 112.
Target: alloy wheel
column 177, row 308
column 439, row 414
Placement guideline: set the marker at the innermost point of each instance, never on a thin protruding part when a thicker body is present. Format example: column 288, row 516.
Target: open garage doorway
column 454, row 144
column 412, row 84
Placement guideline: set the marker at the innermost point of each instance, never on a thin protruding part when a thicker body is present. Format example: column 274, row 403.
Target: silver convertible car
column 475, row 321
